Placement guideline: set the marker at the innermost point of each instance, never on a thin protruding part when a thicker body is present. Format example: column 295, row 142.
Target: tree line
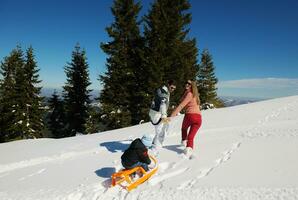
column 23, row 112
column 142, row 54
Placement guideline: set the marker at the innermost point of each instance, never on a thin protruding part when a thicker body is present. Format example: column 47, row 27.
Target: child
column 137, row 153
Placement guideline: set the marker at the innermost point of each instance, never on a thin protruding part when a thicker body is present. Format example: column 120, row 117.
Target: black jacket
column 136, row 152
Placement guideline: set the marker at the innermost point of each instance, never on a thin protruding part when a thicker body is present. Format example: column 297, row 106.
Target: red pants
column 194, row 121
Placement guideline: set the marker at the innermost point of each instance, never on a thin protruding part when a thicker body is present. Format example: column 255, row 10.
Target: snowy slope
column 242, row 152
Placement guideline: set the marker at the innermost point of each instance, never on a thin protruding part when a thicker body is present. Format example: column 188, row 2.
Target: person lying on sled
column 137, row 153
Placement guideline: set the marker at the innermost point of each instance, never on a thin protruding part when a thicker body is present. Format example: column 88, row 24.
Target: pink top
column 190, row 104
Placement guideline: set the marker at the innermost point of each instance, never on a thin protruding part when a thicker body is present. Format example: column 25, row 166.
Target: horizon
column 253, row 44
column 47, row 92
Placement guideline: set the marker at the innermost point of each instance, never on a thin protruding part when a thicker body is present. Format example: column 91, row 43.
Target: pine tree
column 56, row 117
column 8, row 94
column 20, row 99
column 28, row 108
column 93, row 123
column 207, row 81
column 21, row 106
column 34, row 110
column 171, row 54
column 76, row 93
column 122, row 97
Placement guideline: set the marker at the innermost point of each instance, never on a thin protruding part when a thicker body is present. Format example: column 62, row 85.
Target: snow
column 246, row 152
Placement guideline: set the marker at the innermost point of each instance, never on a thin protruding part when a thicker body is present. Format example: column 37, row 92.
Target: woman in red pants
column 192, row 118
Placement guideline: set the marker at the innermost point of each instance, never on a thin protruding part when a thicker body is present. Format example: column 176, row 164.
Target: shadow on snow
column 105, row 172
column 176, row 148
column 116, row 146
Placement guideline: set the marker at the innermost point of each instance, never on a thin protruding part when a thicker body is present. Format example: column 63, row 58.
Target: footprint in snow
column 186, row 185
column 163, row 166
column 204, row 172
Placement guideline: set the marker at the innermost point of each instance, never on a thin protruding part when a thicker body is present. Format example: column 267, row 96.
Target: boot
column 188, row 151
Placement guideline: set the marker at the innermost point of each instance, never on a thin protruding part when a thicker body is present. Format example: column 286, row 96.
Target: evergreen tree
column 8, row 94
column 56, row 116
column 171, row 54
column 76, row 93
column 34, row 110
column 122, row 96
column 21, row 123
column 20, row 97
column 93, row 123
column 207, row 81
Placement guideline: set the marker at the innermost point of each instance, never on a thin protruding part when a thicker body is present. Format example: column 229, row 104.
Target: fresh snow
column 246, row 152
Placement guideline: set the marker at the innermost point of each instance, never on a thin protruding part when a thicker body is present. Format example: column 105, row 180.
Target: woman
column 192, row 118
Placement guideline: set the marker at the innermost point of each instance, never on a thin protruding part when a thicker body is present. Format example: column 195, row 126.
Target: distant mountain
column 233, row 101
column 228, row 100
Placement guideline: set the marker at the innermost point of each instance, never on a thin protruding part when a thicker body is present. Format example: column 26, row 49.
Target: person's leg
column 159, row 135
column 164, row 131
column 140, row 164
column 196, row 121
column 137, row 164
column 144, row 165
column 185, row 126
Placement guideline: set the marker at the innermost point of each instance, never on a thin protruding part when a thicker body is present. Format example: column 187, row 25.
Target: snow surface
column 242, row 152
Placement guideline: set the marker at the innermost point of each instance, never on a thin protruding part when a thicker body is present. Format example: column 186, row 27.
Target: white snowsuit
column 157, row 112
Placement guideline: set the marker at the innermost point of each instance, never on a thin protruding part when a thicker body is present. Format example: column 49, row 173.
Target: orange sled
column 124, row 175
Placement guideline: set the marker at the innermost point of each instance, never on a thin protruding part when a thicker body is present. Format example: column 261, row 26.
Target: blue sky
column 254, row 43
